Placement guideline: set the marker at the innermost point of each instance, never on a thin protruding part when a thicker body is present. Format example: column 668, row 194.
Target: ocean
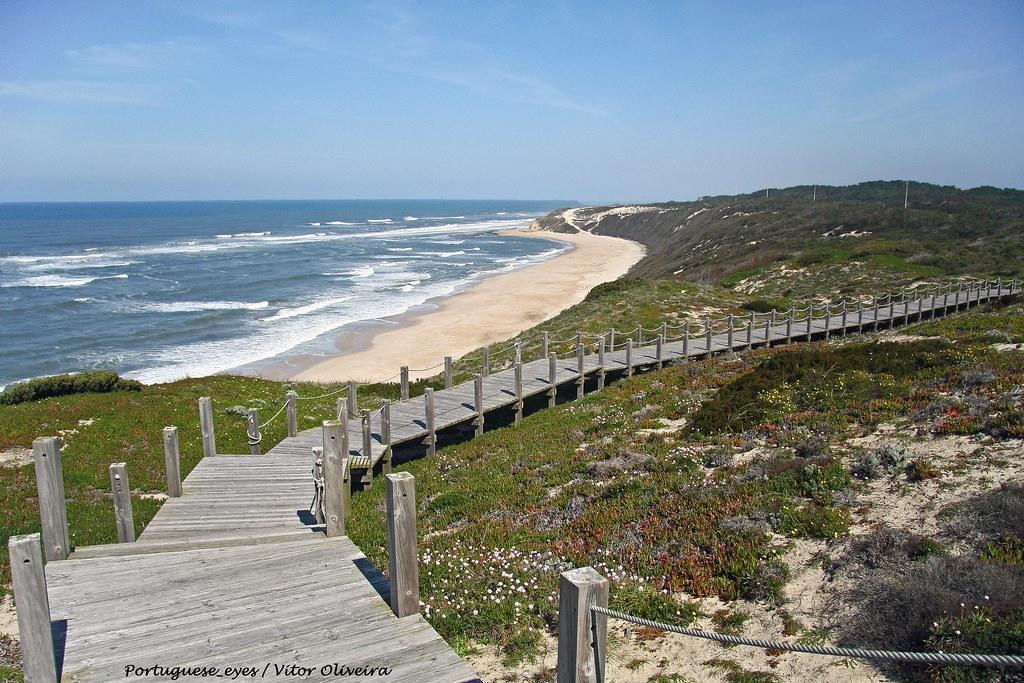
column 158, row 291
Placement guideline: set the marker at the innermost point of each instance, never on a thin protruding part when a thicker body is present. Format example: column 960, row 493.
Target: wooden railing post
column 810, row 321
column 518, row 356
column 485, row 361
column 629, row 358
column 403, row 561
column 403, row 374
column 582, row 634
column 892, row 312
column 252, row 432
column 337, row 485
column 428, row 407
column 663, row 332
column 552, row 378
column 600, row 363
column 545, row 341
column 478, row 404
column 353, row 400
column 367, row 432
column 639, row 335
column 658, row 350
column 206, row 427
column 686, row 340
column 828, row 319
column 750, row 330
column 843, row 319
column 50, row 488
column 789, row 324
column 385, row 435
column 729, row 336
column 518, row 384
column 580, row 376
column 875, row 301
column 292, row 414
column 767, row 334
column 611, row 339
column 707, row 337
column 122, row 503
column 38, row 660
column 860, row 316
column 447, row 372
column 172, row 462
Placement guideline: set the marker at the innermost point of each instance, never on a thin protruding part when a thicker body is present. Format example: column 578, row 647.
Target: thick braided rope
column 275, row 416
column 886, row 655
column 313, row 398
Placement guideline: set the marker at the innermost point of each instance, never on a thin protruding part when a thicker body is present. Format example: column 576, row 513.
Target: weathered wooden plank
column 30, row 595
column 50, row 487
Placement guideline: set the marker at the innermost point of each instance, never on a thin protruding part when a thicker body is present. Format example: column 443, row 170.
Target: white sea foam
column 196, row 306
column 442, row 254
column 288, row 331
column 243, row 234
column 379, row 220
column 447, row 241
column 267, row 240
column 410, row 218
column 60, row 281
column 362, row 271
column 399, row 248
column 333, row 223
column 286, row 313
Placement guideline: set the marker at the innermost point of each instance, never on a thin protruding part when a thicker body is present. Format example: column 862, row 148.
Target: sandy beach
column 494, row 309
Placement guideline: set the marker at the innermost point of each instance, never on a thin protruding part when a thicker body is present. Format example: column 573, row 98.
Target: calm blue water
column 164, row 290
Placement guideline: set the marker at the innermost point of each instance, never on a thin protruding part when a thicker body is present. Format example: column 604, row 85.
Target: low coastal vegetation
column 708, row 486
column 863, row 491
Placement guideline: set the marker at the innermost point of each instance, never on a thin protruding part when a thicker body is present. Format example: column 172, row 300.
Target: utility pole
column 814, row 196
column 906, row 195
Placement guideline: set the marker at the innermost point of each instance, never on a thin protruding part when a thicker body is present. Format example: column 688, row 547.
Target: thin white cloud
column 905, row 95
column 87, row 92
column 136, row 55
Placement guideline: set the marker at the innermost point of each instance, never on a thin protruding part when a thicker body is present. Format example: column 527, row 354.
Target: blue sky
column 588, row 101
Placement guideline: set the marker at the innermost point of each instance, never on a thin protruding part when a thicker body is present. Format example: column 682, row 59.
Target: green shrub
column 921, row 469
column 100, row 382
column 819, row 378
column 648, row 603
column 1009, row 550
column 977, row 631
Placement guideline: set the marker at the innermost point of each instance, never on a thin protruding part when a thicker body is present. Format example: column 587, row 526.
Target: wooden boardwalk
column 456, row 405
column 236, row 572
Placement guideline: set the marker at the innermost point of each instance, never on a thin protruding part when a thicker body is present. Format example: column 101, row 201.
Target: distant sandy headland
column 494, row 309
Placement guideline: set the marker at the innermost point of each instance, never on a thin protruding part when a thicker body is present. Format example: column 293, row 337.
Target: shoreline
column 491, row 310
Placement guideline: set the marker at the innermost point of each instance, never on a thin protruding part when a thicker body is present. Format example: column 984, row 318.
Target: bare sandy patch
column 15, row 457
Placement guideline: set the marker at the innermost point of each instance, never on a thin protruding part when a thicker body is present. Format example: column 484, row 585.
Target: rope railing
column 856, row 653
column 432, row 367
column 327, row 395
column 281, row 410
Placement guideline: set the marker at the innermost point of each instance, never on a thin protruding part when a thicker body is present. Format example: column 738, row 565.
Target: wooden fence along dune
column 235, row 571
